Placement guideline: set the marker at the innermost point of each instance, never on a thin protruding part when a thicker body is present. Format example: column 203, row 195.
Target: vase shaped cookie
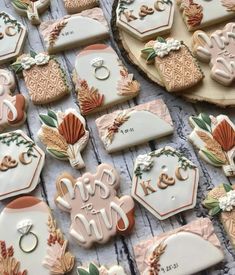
column 215, row 139
column 165, row 182
column 44, row 77
column 12, row 108
column 63, row 34
column 97, row 214
column 221, row 201
column 101, row 79
column 174, row 63
column 145, row 19
column 169, row 253
column 74, row 6
column 198, row 14
column 95, row 270
column 217, row 49
column 31, row 9
column 124, row 128
column 32, row 243
column 21, row 163
column 65, row 136
column 12, row 37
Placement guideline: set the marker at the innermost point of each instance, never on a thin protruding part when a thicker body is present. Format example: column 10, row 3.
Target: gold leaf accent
column 56, row 32
column 194, row 12
column 154, row 266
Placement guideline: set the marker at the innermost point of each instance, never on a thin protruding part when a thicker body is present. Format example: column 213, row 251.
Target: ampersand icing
column 219, row 50
column 97, row 213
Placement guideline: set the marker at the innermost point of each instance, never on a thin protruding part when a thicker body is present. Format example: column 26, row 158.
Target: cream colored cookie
column 74, row 6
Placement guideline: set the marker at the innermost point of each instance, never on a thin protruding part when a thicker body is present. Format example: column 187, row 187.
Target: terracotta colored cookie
column 74, row 6
column 95, row 270
column 97, row 214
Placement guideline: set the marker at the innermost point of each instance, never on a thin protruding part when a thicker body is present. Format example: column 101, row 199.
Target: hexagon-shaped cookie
column 165, row 182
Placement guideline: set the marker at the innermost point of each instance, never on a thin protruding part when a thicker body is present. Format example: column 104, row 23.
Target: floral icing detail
column 161, row 48
column 8, row 20
column 153, row 261
column 192, row 12
column 227, row 202
column 54, row 34
column 8, row 264
column 144, row 162
column 27, row 62
column 229, row 4
column 41, row 59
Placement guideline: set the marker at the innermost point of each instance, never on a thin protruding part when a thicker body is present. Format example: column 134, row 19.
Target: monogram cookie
column 165, row 182
column 108, row 81
column 221, row 201
column 145, row 19
column 31, row 9
column 12, row 108
column 64, row 135
column 32, row 243
column 124, row 128
column 63, row 34
column 44, row 77
column 74, row 6
column 97, row 214
column 21, row 162
column 169, row 253
column 12, row 37
column 215, row 139
column 94, row 269
column 174, row 63
column 217, row 49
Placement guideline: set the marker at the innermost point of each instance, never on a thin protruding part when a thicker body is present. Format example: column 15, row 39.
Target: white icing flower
column 163, row 48
column 27, row 62
column 144, row 162
column 174, row 44
column 42, row 59
column 227, row 202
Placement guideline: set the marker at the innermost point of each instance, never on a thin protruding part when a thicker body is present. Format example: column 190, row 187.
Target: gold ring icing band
column 104, row 77
column 34, row 246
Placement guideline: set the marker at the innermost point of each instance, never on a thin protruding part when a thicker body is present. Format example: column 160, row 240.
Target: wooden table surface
column 120, row 250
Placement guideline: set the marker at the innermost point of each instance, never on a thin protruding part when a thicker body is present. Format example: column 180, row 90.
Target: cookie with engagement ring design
column 98, row 64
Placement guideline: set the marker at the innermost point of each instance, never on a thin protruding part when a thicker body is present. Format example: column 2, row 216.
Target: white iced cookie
column 215, row 139
column 32, row 243
column 145, row 19
column 64, row 34
column 65, row 136
column 124, row 128
column 21, row 162
column 12, row 37
column 165, row 182
column 185, row 250
column 31, row 9
column 101, row 79
column 95, row 270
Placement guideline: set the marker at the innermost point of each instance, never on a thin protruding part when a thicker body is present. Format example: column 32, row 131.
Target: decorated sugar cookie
column 63, row 34
column 44, row 77
column 12, row 108
column 74, row 6
column 145, row 19
column 215, row 139
column 170, row 252
column 221, row 201
column 32, row 243
column 12, row 37
column 217, row 49
column 21, row 162
column 165, row 182
column 174, row 62
column 65, row 136
column 198, row 14
column 97, row 214
column 31, row 9
column 101, row 79
column 95, row 270
column 124, row 128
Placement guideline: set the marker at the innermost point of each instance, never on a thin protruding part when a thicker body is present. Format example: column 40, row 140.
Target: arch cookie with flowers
column 44, row 77
column 221, row 201
column 101, row 79
column 21, row 163
column 65, row 136
column 97, row 214
column 102, row 270
column 31, row 9
column 12, row 108
column 215, row 139
column 165, row 182
column 32, row 228
column 169, row 253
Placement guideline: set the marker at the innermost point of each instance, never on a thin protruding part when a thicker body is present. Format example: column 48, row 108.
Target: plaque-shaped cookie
column 165, row 182
column 32, row 243
column 101, row 79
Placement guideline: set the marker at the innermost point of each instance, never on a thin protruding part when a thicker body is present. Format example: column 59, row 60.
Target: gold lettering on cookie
column 164, row 181
column 147, row 187
column 145, row 10
column 7, row 163
column 129, row 16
